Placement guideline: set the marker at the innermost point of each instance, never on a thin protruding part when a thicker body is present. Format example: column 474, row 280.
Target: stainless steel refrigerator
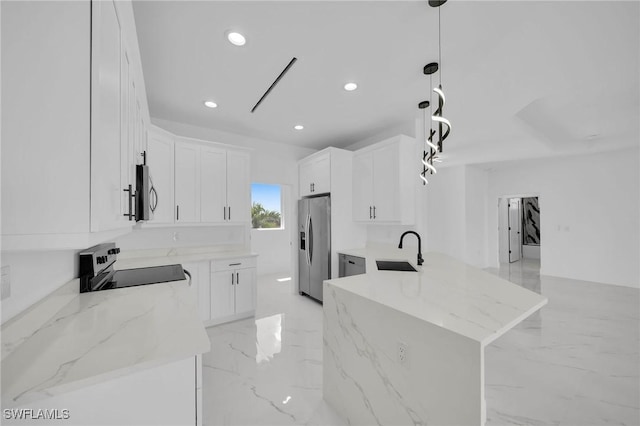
column 314, row 244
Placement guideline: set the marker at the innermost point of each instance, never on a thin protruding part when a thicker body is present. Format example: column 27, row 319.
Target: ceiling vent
column 284, row 71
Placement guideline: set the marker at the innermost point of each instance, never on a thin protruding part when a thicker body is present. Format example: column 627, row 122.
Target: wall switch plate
column 5, row 282
column 403, row 352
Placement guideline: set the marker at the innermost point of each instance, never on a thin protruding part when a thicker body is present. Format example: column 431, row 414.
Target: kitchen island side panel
column 440, row 382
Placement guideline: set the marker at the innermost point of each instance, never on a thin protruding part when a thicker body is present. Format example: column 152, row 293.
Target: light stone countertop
column 158, row 257
column 444, row 292
column 70, row 340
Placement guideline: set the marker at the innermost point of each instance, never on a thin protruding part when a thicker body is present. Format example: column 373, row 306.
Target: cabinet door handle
column 229, row 212
column 232, row 283
column 132, row 194
column 237, row 277
column 235, row 264
column 310, row 187
column 352, row 262
column 374, row 212
column 370, row 215
column 177, row 213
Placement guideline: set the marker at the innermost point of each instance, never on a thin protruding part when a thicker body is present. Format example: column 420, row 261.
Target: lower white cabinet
column 225, row 290
column 200, row 286
column 233, row 289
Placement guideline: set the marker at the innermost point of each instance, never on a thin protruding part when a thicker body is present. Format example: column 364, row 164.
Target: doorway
column 519, row 231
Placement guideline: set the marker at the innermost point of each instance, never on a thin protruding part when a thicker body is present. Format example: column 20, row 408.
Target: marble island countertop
column 444, row 292
column 69, row 340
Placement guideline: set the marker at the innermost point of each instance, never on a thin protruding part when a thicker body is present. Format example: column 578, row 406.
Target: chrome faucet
column 420, row 259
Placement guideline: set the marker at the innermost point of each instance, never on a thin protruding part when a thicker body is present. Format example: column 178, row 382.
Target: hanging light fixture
column 437, row 115
column 430, row 150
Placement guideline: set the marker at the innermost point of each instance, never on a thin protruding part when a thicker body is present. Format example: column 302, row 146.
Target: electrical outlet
column 5, row 282
column 403, row 352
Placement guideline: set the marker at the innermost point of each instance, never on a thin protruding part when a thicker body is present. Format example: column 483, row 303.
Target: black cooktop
column 144, row 276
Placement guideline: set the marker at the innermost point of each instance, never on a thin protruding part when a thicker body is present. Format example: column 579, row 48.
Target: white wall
column 233, row 237
column 589, row 214
column 34, row 275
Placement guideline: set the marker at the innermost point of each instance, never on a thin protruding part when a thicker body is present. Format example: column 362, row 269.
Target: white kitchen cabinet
column 238, row 187
column 70, row 120
column 315, row 174
column 109, row 150
column 187, row 182
column 222, row 294
column 233, row 289
column 45, row 121
column 160, row 153
column 212, row 183
column 384, row 183
column 213, row 191
column 200, row 287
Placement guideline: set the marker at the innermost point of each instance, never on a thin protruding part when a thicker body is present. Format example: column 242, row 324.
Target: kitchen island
column 408, row 347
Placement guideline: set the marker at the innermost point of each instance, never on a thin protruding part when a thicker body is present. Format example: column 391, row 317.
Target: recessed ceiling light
column 350, row 87
column 236, row 39
column 210, row 104
column 298, row 127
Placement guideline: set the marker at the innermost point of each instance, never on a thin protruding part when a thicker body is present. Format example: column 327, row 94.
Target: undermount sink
column 395, row 265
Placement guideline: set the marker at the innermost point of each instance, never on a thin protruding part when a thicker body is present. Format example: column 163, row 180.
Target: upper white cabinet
column 384, row 182
column 315, row 174
column 187, row 184
column 212, row 183
column 238, row 186
column 67, row 149
column 116, row 122
column 213, row 177
column 160, row 159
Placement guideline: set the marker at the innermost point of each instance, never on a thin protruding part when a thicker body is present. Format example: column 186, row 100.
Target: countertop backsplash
column 226, row 236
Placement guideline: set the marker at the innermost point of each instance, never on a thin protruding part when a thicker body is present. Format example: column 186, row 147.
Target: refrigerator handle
column 310, row 240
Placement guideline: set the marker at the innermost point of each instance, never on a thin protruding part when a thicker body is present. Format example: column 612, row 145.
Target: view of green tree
column 262, row 218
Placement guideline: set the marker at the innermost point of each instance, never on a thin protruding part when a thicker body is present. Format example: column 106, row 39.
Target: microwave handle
column 153, row 196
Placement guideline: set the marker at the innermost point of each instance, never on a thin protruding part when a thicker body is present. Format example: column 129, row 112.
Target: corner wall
column 273, row 163
column 589, row 214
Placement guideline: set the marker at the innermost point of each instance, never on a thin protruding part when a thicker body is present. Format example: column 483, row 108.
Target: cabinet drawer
column 234, row 263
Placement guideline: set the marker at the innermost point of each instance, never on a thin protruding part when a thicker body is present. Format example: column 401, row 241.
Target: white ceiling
column 522, row 79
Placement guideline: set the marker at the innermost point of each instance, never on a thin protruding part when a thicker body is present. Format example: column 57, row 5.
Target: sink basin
column 394, row 265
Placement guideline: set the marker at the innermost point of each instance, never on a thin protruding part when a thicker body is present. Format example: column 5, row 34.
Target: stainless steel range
column 97, row 272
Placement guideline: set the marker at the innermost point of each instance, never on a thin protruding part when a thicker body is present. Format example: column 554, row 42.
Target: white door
column 213, row 181
column 187, row 183
column 222, row 294
column 238, row 187
column 515, row 236
column 386, row 183
column 160, row 161
column 245, row 283
column 363, row 187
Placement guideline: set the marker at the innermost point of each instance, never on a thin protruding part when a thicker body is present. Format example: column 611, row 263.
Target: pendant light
column 431, row 155
column 437, row 115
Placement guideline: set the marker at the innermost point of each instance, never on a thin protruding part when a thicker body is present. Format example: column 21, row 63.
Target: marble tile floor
column 573, row 363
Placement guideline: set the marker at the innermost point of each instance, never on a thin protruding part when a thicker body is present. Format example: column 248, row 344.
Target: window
column 266, row 206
